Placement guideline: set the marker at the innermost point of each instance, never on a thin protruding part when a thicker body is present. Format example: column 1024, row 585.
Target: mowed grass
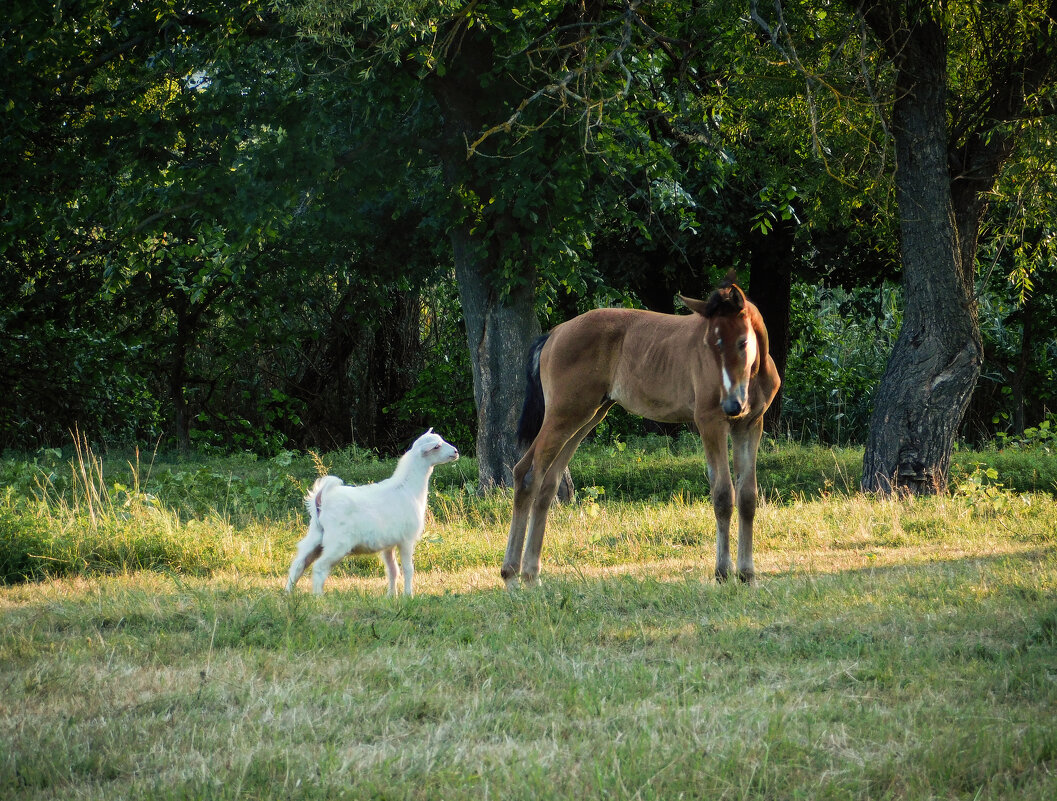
column 891, row 649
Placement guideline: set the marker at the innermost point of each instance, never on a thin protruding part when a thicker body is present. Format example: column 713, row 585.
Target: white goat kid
column 372, row 518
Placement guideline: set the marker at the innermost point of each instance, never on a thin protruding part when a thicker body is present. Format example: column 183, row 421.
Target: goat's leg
column 308, row 550
column 746, row 446
column 389, row 559
column 324, row 564
column 407, row 562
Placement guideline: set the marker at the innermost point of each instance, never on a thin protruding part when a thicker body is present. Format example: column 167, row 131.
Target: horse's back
column 595, row 340
column 634, row 357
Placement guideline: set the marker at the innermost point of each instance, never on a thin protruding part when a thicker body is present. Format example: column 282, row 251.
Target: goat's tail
column 532, row 412
column 315, row 497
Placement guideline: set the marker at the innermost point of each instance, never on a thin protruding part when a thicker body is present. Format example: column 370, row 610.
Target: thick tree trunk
column 501, row 321
column 499, row 331
column 936, row 360
column 942, row 186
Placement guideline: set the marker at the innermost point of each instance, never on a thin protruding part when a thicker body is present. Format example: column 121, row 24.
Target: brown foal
column 711, row 368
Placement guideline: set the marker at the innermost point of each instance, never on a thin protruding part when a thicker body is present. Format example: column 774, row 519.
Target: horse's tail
column 532, row 412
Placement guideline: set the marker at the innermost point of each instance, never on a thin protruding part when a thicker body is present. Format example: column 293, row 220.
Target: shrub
column 840, row 346
column 23, row 542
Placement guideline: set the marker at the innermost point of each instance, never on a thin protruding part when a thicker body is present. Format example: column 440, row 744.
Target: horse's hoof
column 747, row 577
column 530, row 581
column 512, row 584
column 722, row 574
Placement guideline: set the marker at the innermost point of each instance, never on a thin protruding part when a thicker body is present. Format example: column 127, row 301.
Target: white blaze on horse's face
column 733, row 341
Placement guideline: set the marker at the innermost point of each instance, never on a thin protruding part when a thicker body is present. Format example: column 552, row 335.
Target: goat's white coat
column 372, row 518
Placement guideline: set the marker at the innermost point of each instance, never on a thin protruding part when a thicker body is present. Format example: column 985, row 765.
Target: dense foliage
column 227, row 226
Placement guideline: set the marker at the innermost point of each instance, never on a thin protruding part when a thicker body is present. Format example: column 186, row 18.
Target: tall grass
column 85, row 515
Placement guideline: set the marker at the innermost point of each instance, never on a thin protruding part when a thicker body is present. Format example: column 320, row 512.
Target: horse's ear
column 694, row 305
column 730, row 279
column 726, row 301
column 430, row 430
column 737, row 297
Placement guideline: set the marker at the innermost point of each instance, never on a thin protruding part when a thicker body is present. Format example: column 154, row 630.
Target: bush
column 840, row 346
column 22, row 544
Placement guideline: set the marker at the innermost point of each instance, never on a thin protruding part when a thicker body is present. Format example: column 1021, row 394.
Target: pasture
column 902, row 650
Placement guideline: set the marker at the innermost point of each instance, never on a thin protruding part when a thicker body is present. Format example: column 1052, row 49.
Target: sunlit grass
column 892, row 649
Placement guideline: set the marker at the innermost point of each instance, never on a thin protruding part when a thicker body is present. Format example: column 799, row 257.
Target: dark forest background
column 245, row 226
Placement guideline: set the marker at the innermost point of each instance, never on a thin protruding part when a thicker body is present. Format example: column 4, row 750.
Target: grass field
column 891, row 649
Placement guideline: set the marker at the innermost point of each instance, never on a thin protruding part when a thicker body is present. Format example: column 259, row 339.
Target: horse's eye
column 742, row 344
column 719, row 343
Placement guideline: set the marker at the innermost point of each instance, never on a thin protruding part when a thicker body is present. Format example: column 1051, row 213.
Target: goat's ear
column 430, row 431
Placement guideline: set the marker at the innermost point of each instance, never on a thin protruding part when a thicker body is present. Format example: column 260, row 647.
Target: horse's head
column 730, row 336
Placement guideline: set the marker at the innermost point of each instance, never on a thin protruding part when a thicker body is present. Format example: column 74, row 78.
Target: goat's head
column 434, row 449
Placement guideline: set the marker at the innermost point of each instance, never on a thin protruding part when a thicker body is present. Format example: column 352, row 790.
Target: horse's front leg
column 714, row 438
column 746, row 446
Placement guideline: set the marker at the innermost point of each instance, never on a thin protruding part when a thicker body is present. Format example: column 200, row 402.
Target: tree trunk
column 770, row 288
column 362, row 364
column 499, row 332
column 393, row 360
column 187, row 316
column 501, row 321
column 325, row 363
column 936, row 360
column 1020, row 374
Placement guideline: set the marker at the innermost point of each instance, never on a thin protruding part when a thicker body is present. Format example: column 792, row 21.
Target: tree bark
column 936, row 360
column 499, row 332
column 943, row 177
column 500, row 315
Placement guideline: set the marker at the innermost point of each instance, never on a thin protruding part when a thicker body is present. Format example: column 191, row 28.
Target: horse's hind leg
column 523, row 488
column 746, row 446
column 528, row 482
column 544, row 496
column 714, row 438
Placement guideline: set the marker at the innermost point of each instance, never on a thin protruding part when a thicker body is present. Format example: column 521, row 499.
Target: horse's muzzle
column 732, row 407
